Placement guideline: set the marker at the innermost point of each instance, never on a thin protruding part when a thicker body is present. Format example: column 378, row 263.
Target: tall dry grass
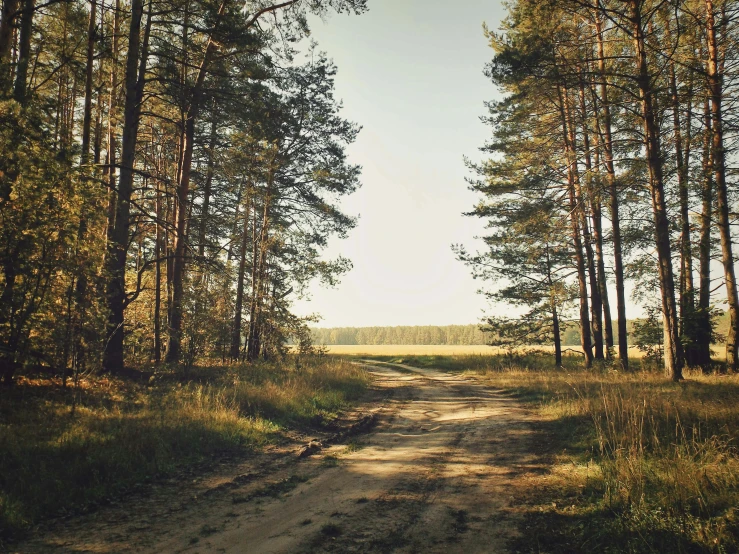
column 661, row 457
column 64, row 451
column 668, row 455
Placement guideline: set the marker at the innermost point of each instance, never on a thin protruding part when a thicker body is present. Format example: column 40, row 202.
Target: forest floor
column 440, row 470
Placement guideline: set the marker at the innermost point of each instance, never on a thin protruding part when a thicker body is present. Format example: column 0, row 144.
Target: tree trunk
column 703, row 354
column 673, row 349
column 618, row 265
column 178, row 261
column 112, row 114
column 235, row 227
column 254, row 279
column 87, row 119
column 158, row 251
column 718, row 153
column 183, row 190
column 207, row 188
column 24, row 51
column 682, row 160
column 596, row 305
column 585, row 339
column 118, row 248
column 596, row 207
column 238, row 310
column 259, row 272
column 7, row 19
column 555, row 317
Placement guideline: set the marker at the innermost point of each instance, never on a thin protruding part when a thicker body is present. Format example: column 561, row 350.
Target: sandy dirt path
column 438, row 473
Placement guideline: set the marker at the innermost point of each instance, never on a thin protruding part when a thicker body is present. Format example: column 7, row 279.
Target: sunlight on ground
column 719, row 352
column 407, row 350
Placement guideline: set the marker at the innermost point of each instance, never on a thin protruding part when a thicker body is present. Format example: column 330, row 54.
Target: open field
column 372, row 350
column 444, row 350
column 405, row 350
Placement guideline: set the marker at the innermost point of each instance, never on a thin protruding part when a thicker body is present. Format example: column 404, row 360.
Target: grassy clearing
column 404, row 350
column 637, row 463
column 446, row 350
column 63, row 451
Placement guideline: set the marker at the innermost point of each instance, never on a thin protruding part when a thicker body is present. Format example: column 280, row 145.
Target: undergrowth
column 67, row 450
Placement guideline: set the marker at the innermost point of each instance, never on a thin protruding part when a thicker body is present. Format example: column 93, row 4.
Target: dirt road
column 438, row 473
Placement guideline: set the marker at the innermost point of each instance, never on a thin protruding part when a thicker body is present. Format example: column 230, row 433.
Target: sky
column 410, row 72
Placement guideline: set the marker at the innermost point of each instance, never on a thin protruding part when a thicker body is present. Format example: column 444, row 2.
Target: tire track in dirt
column 437, row 474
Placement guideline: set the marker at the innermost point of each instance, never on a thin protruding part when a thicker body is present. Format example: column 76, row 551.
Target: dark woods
column 611, row 162
column 169, row 173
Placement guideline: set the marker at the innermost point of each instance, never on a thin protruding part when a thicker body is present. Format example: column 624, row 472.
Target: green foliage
column 649, row 335
column 42, row 255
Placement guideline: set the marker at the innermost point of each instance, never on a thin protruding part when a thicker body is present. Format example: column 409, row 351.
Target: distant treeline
column 404, row 334
column 441, row 334
column 417, row 334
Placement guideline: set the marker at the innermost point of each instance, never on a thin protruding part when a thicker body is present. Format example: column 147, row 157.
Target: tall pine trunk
column 118, row 248
column 8, row 16
column 207, row 189
column 239, row 305
column 682, row 161
column 719, row 175
column 703, row 354
column 570, row 155
column 174, row 345
column 596, row 305
column 24, row 51
column 618, row 265
column 673, row 345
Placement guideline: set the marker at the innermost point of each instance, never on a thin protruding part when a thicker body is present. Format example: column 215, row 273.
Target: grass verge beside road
column 66, row 450
column 636, row 462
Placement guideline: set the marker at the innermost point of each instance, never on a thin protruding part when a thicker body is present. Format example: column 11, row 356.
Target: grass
column 446, row 350
column 530, row 359
column 66, row 450
column 636, row 463
column 400, row 350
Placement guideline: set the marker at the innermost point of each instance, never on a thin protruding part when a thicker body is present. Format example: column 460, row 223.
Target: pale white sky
column 410, row 72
